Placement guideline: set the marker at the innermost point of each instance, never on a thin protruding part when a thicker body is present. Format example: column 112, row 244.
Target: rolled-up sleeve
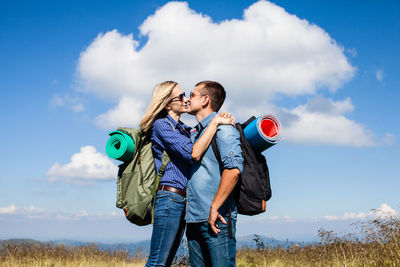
column 228, row 142
column 173, row 140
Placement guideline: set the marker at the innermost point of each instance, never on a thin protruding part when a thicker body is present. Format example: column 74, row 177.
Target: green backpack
column 138, row 179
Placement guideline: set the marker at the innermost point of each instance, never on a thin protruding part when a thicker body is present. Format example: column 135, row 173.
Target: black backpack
column 253, row 189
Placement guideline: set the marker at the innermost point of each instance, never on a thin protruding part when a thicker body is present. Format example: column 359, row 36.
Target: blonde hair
column 159, row 100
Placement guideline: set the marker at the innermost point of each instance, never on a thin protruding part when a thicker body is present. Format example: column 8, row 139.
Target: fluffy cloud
column 88, row 164
column 12, row 209
column 268, row 52
column 8, row 210
column 322, row 121
column 384, row 211
column 127, row 113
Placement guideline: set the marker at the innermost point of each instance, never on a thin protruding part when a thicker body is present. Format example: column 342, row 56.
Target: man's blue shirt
column 174, row 137
column 205, row 175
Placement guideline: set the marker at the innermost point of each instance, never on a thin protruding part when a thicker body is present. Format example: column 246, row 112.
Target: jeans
column 168, row 228
column 209, row 249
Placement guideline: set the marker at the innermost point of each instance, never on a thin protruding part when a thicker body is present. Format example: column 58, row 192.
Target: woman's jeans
column 168, row 228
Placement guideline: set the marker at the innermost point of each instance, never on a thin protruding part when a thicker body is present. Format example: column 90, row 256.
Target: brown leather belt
column 172, row 189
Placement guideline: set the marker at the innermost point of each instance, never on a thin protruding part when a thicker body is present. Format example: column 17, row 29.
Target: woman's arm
column 200, row 147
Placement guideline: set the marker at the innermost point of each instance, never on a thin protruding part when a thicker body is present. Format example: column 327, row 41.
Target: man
column 210, row 209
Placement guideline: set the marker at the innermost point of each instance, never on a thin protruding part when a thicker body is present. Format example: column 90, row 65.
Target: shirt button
column 231, row 153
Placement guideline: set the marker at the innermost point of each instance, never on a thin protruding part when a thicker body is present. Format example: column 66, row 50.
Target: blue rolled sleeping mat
column 263, row 132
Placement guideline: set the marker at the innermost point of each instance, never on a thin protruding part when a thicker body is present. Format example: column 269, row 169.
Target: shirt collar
column 174, row 122
column 206, row 121
column 178, row 124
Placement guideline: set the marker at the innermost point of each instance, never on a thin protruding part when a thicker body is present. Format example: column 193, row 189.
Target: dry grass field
column 377, row 243
column 38, row 254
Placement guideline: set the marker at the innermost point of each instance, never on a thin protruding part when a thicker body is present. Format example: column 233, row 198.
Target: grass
column 376, row 243
column 24, row 254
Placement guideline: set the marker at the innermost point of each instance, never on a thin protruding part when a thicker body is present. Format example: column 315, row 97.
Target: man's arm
column 228, row 181
column 228, row 142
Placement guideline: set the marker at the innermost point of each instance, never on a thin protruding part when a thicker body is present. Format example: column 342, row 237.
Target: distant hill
column 252, row 241
column 17, row 241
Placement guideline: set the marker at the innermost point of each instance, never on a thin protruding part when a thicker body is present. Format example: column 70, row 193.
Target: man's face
column 196, row 100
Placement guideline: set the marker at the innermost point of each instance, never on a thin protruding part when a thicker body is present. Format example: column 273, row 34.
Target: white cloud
column 379, row 75
column 322, row 121
column 384, row 211
column 267, row 52
column 12, row 209
column 348, row 216
column 87, row 165
column 33, row 212
column 319, row 104
column 8, row 210
column 127, row 114
column 73, row 103
column 71, row 216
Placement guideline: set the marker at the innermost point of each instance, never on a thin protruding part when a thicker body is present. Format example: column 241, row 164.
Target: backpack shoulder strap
column 252, row 118
column 165, row 160
column 216, row 151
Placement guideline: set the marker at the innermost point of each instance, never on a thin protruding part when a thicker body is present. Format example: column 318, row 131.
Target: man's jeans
column 209, row 249
column 168, row 228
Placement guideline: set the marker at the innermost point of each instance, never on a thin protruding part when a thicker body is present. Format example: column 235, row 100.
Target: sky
column 72, row 71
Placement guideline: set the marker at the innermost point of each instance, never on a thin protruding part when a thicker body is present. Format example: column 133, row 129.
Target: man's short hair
column 215, row 91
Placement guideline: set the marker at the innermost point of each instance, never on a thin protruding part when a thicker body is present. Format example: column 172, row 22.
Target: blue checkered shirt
column 174, row 137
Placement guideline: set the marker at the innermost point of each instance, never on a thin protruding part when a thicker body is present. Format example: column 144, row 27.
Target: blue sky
column 71, row 71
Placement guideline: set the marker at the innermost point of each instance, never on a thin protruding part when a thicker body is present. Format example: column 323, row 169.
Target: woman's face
column 178, row 101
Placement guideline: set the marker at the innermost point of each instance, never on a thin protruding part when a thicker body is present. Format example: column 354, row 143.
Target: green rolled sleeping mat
column 120, row 146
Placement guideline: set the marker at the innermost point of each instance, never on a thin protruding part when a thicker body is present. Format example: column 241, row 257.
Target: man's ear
column 206, row 101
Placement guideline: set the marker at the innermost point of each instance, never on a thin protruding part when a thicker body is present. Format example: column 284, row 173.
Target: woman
column 169, row 134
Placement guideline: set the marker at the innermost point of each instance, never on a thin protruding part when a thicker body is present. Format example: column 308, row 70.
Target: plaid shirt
column 174, row 137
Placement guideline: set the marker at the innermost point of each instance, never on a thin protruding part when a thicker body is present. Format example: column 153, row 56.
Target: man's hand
column 213, row 219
